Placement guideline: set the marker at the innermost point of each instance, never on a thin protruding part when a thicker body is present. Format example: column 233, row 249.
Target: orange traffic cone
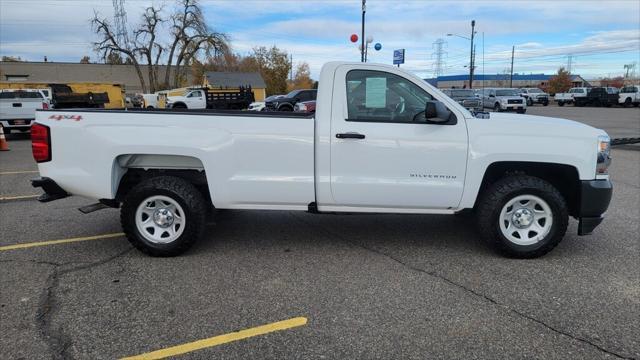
column 4, row 145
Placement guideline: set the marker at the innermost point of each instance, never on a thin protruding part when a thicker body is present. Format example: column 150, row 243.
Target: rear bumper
column 52, row 191
column 595, row 196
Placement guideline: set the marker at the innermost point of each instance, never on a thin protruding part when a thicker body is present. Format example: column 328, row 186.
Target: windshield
column 629, row 89
column 292, row 94
column 535, row 91
column 463, row 93
column 507, row 92
column 573, row 91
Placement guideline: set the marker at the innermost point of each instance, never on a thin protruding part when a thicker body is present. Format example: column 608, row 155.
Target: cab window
column 195, row 94
column 377, row 96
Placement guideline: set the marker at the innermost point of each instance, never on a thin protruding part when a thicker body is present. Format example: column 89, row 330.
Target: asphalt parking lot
column 336, row 287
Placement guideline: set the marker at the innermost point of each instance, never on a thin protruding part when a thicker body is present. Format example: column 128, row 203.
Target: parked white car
column 630, row 95
column 381, row 141
column 18, row 107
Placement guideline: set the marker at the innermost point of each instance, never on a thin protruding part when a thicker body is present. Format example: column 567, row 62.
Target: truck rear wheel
column 163, row 216
column 522, row 216
column 560, row 103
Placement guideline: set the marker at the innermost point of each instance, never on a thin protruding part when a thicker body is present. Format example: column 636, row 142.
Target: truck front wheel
column 522, row 216
column 163, row 216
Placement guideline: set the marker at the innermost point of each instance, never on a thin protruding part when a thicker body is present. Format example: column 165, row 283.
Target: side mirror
column 430, row 110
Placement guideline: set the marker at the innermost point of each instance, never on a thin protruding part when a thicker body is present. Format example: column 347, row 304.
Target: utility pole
column 473, row 25
column 364, row 9
column 569, row 62
column 291, row 63
column 513, row 49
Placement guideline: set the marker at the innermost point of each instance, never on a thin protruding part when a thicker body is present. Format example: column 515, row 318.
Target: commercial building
column 500, row 80
column 55, row 72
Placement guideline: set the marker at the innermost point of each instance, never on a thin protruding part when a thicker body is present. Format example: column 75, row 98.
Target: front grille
column 514, row 101
column 471, row 103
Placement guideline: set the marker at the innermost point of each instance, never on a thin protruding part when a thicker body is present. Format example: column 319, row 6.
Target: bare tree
column 146, row 44
column 190, row 37
column 109, row 45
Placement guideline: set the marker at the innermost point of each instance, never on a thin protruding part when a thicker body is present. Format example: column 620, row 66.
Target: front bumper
column 52, row 191
column 595, row 196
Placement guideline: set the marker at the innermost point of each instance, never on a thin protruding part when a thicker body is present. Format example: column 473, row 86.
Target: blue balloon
column 378, row 46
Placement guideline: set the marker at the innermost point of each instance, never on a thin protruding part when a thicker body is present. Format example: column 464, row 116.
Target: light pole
column 471, row 55
column 364, row 9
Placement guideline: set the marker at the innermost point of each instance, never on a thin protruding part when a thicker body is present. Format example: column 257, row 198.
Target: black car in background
column 465, row 97
column 598, row 96
column 287, row 102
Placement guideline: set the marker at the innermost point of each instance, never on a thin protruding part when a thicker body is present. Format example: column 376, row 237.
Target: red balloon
column 354, row 38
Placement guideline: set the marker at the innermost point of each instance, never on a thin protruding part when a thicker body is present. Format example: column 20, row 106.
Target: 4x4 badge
column 65, row 117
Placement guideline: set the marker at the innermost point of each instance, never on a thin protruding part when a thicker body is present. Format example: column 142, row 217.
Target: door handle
column 350, row 135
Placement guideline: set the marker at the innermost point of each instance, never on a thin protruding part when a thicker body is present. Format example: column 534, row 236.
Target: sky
column 600, row 36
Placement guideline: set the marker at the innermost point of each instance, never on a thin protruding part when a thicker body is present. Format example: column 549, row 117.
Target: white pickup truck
column 569, row 97
column 381, row 141
column 630, row 95
column 18, row 107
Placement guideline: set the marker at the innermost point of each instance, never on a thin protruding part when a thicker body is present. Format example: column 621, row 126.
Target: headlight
column 604, row 155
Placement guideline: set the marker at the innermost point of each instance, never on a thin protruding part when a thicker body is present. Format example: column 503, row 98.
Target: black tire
column 285, row 108
column 546, row 103
column 496, row 197
column 529, row 102
column 560, row 103
column 496, row 107
column 522, row 111
column 627, row 102
column 179, row 106
column 636, row 104
column 180, row 190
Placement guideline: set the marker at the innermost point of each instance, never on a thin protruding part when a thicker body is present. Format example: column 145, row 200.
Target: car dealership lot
column 369, row 286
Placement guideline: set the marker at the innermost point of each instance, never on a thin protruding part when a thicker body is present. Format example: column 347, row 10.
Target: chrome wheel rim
column 526, row 219
column 160, row 219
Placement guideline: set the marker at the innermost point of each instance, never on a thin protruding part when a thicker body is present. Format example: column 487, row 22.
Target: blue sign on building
column 398, row 57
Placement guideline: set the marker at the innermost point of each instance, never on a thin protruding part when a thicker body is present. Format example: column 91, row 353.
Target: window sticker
column 376, row 94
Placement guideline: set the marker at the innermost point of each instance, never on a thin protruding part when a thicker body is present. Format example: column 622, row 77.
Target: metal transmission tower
column 439, row 54
column 120, row 22
column 569, row 62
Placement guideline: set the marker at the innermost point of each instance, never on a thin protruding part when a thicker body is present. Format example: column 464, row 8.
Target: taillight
column 40, row 142
column 45, row 106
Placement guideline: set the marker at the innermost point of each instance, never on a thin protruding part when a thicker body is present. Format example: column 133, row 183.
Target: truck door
column 384, row 154
column 196, row 100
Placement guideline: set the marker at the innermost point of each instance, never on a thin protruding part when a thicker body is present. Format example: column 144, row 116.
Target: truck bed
column 247, row 157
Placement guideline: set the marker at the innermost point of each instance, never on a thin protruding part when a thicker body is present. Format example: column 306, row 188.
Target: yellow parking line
column 56, row 242
column 221, row 339
column 18, row 172
column 19, row 197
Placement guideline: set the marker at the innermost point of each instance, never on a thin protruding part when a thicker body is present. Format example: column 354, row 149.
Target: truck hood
column 543, row 126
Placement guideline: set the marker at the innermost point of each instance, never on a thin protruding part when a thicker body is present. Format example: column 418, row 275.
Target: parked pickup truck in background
column 287, row 102
column 598, row 96
column 535, row 96
column 569, row 97
column 629, row 95
column 204, row 98
column 503, row 100
column 466, row 98
column 381, row 141
column 18, row 107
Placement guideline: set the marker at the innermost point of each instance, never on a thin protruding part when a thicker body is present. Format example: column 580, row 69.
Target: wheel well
column 179, row 105
column 131, row 169
column 564, row 177
column 287, row 105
